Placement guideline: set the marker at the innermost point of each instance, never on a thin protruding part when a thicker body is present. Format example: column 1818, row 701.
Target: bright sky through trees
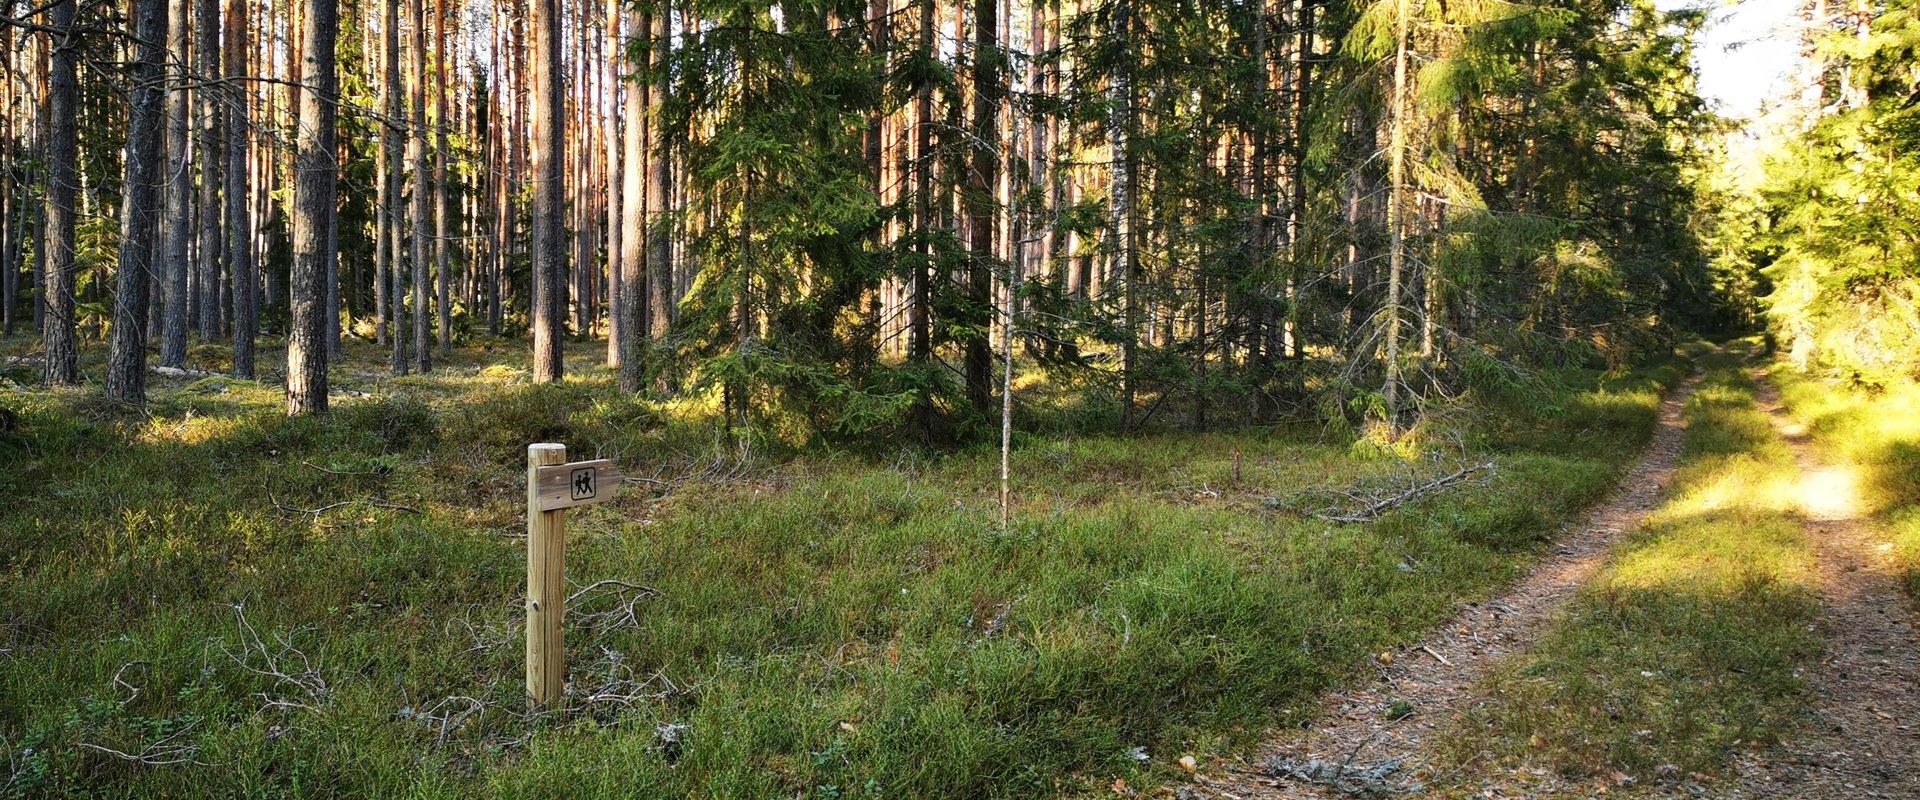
column 1747, row 54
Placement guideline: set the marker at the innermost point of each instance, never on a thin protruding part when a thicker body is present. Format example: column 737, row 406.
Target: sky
column 1746, row 54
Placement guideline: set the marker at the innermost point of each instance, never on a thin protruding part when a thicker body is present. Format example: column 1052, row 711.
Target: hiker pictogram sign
column 577, row 484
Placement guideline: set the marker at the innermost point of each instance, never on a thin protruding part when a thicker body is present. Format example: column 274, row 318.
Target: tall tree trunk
column 423, row 190
column 397, row 362
column 240, row 261
column 627, row 328
column 206, row 58
column 920, row 310
column 616, row 141
column 442, row 255
column 10, row 82
column 659, row 265
column 549, row 212
column 314, row 193
column 1396, row 233
column 127, row 364
column 62, row 356
column 983, row 177
column 179, row 192
column 1119, row 125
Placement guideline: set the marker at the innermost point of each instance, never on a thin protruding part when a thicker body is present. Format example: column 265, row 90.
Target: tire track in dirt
column 1863, row 740
column 1351, row 747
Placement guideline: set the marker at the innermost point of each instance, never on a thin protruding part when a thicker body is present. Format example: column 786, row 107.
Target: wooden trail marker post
column 553, row 486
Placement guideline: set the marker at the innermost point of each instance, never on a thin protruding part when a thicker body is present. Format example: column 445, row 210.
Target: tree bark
column 127, row 364
column 206, row 56
column 398, row 363
column 314, row 193
column 179, row 193
column 548, row 159
column 629, row 290
column 442, row 256
column 1396, row 234
column 422, row 194
column 240, row 261
column 58, row 335
column 1119, row 124
column 660, row 296
column 983, row 177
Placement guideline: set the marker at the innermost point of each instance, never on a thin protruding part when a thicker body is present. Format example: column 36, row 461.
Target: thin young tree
column 58, row 334
column 315, row 186
column 139, row 213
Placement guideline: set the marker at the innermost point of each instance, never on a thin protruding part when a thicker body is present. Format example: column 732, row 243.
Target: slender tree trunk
column 423, row 190
column 442, row 255
column 627, row 328
column 616, row 141
column 179, row 192
column 62, row 356
column 659, row 265
column 983, row 177
column 10, row 83
column 397, row 362
column 206, row 58
column 1119, row 124
column 127, row 364
column 240, row 261
column 1396, row 233
column 549, row 213
column 313, row 211
column 920, row 310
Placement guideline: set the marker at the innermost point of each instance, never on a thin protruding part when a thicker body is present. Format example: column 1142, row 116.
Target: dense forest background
column 834, row 218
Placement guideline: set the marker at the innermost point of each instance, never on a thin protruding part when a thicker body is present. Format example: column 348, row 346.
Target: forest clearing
column 934, row 399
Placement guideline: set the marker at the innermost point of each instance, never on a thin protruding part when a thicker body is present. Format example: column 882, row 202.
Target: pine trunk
column 127, row 364
column 314, row 193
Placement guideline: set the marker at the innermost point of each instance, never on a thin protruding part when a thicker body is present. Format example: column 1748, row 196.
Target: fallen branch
column 289, row 667
column 182, row 372
column 163, row 751
column 1374, row 509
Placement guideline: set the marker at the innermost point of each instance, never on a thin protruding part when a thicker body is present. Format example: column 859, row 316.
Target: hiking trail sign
column 577, row 484
column 553, row 486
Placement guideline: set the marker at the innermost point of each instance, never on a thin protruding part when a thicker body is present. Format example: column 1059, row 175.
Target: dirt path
column 1352, row 747
column 1864, row 739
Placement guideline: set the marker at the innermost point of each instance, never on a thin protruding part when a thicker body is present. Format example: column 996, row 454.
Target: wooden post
column 546, row 584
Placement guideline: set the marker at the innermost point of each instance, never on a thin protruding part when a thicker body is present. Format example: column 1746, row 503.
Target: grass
column 179, row 583
column 1688, row 644
column 1873, row 435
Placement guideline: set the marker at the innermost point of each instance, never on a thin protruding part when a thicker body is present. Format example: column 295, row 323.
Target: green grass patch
column 1689, row 642
column 322, row 608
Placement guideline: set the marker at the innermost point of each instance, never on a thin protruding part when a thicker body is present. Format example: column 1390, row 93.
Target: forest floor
column 205, row 597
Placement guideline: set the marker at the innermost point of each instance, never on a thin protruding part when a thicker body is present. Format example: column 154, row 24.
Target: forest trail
column 1352, row 748
column 1862, row 741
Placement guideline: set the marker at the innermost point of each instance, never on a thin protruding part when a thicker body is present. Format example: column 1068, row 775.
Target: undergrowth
column 207, row 598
